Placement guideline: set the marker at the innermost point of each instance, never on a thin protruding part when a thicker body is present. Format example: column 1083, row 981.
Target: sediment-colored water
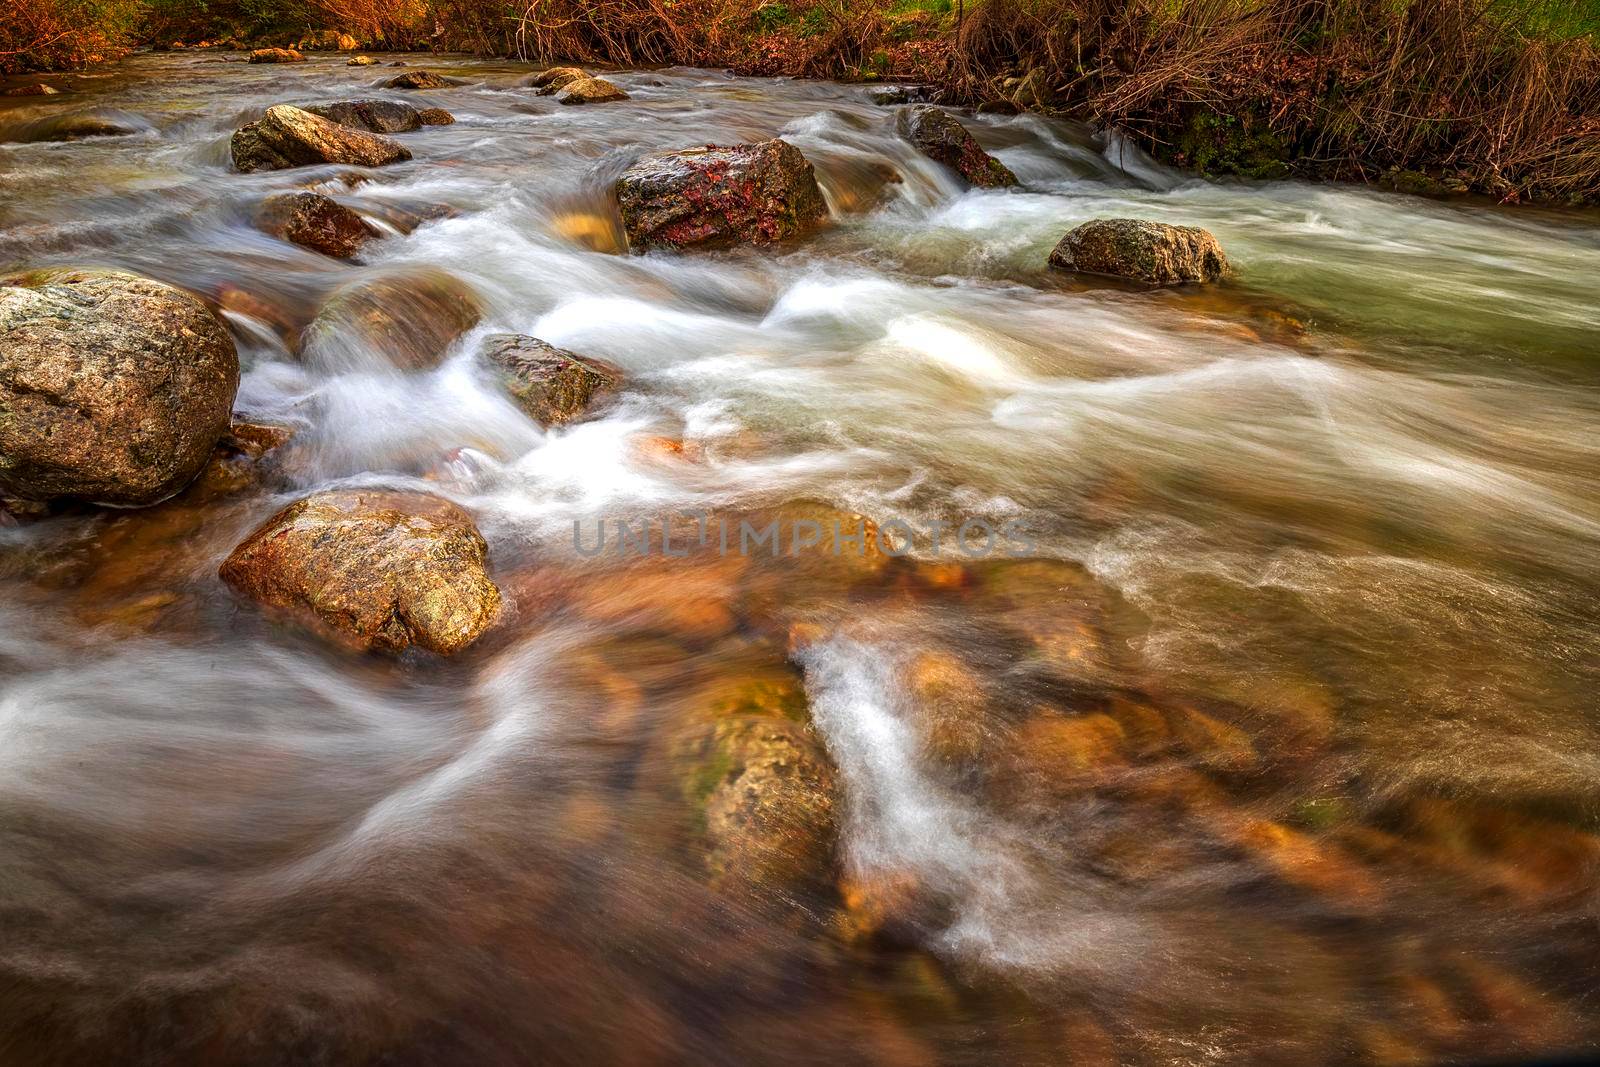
column 1282, row 748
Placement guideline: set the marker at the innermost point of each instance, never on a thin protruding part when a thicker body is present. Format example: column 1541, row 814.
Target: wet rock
column 410, row 315
column 314, row 221
column 383, row 570
column 939, row 136
column 551, row 81
column 36, row 89
column 1052, row 753
column 717, row 196
column 767, row 792
column 554, row 386
column 1150, row 252
column 113, row 387
column 276, row 55
column 290, row 137
column 243, row 459
column 893, row 95
column 420, row 79
column 361, row 61
column 406, row 215
column 374, row 116
column 590, row 91
column 949, row 709
column 999, row 107
column 79, row 125
column 435, row 116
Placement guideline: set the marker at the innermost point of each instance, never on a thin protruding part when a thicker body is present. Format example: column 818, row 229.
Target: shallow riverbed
column 1283, row 746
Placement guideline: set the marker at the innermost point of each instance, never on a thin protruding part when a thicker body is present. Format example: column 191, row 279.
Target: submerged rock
column 36, row 89
column 551, row 81
column 276, row 55
column 551, row 384
column 291, row 137
column 381, row 569
column 938, row 135
column 716, row 196
column 420, row 79
column 314, row 221
column 590, row 91
column 767, row 793
column 113, row 387
column 410, row 316
column 79, row 125
column 1150, row 252
column 375, row 116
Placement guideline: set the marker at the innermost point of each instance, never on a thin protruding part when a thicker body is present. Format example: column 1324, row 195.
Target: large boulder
column 553, row 80
column 380, row 116
column 420, row 79
column 552, row 385
column 408, row 316
column 291, row 137
column 939, row 136
column 714, row 196
column 314, row 221
column 590, row 91
column 1150, row 252
column 379, row 569
column 113, row 387
column 276, row 55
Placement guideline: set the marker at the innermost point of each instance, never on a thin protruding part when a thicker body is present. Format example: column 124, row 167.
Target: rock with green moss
column 761, row 786
column 1214, row 143
column 1150, row 252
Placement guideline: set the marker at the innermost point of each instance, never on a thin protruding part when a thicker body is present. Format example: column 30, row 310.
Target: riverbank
column 1498, row 97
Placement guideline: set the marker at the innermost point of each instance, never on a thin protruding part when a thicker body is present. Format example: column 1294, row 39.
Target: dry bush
column 55, row 34
column 398, row 24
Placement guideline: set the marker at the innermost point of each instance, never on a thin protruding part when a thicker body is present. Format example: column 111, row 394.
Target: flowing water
column 1283, row 746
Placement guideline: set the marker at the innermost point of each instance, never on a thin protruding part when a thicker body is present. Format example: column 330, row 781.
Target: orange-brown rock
column 291, row 137
column 409, row 315
column 554, row 386
column 380, row 569
column 113, row 387
column 276, row 55
column 315, row 221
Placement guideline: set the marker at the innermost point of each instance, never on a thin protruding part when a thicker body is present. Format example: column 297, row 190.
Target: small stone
column 360, row 61
column 552, row 80
column 316, row 222
column 554, row 386
column 590, row 91
column 36, row 89
column 420, row 79
column 1150, row 252
column 276, row 55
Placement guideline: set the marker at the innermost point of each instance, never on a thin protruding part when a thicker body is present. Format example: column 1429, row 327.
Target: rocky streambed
column 511, row 565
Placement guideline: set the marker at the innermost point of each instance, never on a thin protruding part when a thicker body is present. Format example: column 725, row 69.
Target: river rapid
column 1282, row 747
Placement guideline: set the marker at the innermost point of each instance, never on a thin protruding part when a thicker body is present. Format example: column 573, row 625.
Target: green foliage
column 1222, row 144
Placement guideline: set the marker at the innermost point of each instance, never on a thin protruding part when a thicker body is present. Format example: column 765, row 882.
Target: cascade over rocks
column 551, row 384
column 315, row 221
column 938, row 135
column 715, row 196
column 409, row 316
column 378, row 569
column 113, row 387
column 292, row 137
column 1150, row 252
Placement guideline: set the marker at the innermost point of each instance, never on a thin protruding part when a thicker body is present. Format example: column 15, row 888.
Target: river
column 1282, row 747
